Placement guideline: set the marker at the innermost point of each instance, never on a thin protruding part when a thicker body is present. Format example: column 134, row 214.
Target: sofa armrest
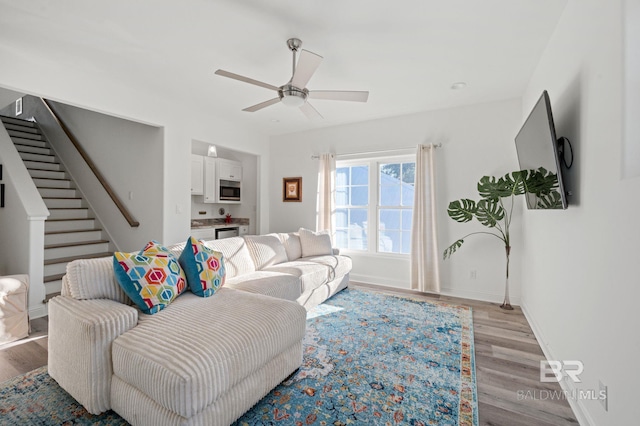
column 80, row 336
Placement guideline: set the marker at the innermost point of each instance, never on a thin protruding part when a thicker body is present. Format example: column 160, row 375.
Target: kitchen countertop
column 218, row 223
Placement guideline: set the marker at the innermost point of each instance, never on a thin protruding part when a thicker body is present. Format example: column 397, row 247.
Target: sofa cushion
column 93, row 279
column 203, row 267
column 266, row 250
column 315, row 243
column 315, row 271
column 291, row 243
column 152, row 278
column 274, row 284
column 244, row 332
column 237, row 259
column 339, row 265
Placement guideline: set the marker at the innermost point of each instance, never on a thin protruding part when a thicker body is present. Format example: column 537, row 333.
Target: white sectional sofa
column 200, row 360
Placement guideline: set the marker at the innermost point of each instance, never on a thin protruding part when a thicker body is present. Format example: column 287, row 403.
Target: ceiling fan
column 295, row 93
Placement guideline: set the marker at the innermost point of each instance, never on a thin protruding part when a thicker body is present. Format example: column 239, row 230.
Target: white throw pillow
column 291, row 242
column 266, row 250
column 315, row 243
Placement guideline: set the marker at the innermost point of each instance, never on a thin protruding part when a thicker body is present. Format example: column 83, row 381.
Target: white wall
column 580, row 283
column 477, row 140
column 127, row 154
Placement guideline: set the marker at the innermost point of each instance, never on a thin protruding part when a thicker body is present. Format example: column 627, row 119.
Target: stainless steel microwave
column 229, row 190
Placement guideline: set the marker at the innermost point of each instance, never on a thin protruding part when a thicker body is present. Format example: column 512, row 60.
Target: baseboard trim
column 38, row 311
column 402, row 286
column 579, row 410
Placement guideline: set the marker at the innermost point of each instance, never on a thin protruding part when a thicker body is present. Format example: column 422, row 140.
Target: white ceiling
column 407, row 53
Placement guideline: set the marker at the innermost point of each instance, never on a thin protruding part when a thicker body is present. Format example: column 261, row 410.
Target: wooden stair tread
column 50, row 296
column 50, row 178
column 61, row 220
column 62, row 198
column 43, row 170
column 53, row 187
column 68, row 208
column 21, row 121
column 71, row 232
column 51, row 278
column 73, row 244
column 80, row 256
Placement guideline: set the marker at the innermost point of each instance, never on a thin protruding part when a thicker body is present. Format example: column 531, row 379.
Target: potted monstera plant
column 495, row 212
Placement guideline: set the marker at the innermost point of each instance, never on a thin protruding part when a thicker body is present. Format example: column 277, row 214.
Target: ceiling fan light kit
column 294, row 93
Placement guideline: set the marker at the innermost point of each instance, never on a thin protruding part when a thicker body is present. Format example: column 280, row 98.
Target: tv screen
column 537, row 148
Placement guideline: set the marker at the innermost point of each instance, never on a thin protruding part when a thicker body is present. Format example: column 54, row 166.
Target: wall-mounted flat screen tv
column 537, row 147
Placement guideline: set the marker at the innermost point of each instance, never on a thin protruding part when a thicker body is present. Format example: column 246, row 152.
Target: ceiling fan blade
column 261, row 105
column 310, row 112
column 308, row 63
column 339, row 95
column 245, row 79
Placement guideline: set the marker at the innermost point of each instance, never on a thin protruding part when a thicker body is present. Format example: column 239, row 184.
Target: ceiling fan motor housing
column 292, row 96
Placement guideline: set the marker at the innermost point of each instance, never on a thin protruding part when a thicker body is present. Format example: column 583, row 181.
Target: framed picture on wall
column 292, row 189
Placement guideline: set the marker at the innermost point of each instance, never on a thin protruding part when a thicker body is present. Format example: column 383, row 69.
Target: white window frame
column 373, row 209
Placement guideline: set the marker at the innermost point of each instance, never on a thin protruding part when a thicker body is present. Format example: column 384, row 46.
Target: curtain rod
column 435, row 145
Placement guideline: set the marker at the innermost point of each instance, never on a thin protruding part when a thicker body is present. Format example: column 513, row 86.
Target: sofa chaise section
column 183, row 363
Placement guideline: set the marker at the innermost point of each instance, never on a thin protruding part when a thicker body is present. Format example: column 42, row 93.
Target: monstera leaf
column 493, row 189
column 541, row 182
column 489, row 212
column 452, row 249
column 462, row 210
column 552, row 200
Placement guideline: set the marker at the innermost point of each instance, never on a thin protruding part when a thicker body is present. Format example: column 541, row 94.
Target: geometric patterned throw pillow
column 152, row 278
column 203, row 267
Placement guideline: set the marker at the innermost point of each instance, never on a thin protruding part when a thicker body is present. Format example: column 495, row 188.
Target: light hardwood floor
column 507, row 364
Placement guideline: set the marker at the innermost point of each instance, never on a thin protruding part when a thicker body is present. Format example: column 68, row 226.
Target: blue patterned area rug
column 372, row 359
column 368, row 359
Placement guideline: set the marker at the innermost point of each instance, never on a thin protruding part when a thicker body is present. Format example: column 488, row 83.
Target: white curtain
column 326, row 194
column 425, row 274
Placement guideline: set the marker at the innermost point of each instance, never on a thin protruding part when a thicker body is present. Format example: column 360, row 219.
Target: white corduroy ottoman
column 14, row 314
column 199, row 362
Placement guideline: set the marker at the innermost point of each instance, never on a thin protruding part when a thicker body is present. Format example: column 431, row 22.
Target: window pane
column 388, row 171
column 407, row 219
column 408, row 172
column 407, row 194
column 389, row 219
column 390, row 195
column 341, row 218
column 342, row 176
column 357, row 237
column 406, row 242
column 342, row 196
column 358, row 228
column 359, row 195
column 360, row 175
column 358, row 217
column 341, row 238
column 389, row 242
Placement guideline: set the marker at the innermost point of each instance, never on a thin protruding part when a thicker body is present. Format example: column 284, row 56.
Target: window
column 375, row 198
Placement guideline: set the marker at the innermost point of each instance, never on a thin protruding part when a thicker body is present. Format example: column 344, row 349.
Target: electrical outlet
column 473, row 274
column 131, row 195
column 604, row 395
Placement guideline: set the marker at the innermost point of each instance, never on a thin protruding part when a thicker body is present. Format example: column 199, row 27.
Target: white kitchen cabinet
column 197, row 168
column 229, row 169
column 210, row 183
column 243, row 230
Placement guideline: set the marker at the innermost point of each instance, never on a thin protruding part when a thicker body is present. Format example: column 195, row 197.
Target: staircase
column 71, row 231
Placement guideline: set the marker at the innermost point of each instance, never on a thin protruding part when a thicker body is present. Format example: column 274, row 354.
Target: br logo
column 554, row 371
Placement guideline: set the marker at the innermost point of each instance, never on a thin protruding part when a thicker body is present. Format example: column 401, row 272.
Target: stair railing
column 123, row 209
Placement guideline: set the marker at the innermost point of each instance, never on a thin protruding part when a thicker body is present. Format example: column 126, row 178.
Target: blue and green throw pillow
column 152, row 278
column 203, row 267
